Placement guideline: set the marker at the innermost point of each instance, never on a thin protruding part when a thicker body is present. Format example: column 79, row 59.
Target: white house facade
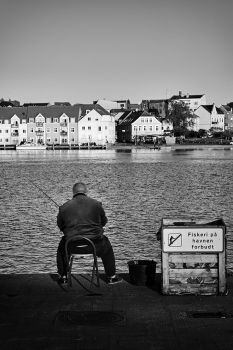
column 96, row 127
column 210, row 117
column 146, row 125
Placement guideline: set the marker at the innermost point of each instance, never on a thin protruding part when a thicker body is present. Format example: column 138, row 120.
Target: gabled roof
column 124, row 115
column 53, row 111
column 219, row 111
column 33, row 111
column 209, row 109
column 226, row 108
column 90, row 107
column 131, row 118
column 9, row 112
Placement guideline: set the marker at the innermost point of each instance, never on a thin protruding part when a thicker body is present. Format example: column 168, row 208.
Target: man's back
column 82, row 215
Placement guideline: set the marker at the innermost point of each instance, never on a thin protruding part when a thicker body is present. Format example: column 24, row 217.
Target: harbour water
column 137, row 188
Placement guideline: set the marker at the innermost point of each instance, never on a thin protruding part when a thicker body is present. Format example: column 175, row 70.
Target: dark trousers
column 103, row 250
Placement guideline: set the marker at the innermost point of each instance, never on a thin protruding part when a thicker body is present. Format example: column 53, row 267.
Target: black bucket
column 142, row 272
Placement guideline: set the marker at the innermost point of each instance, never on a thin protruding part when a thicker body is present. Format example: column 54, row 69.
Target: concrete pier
column 37, row 313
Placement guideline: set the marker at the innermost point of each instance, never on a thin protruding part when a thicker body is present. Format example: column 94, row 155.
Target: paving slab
column 38, row 313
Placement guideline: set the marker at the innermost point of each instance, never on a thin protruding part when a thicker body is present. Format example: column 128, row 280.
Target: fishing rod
column 40, row 189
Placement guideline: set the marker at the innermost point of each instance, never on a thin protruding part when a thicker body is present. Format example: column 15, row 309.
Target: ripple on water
column 137, row 191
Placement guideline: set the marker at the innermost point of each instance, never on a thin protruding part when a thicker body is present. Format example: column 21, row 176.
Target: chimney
column 180, row 93
column 187, row 95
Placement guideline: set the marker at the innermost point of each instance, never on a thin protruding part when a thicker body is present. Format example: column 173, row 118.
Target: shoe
column 62, row 280
column 114, row 280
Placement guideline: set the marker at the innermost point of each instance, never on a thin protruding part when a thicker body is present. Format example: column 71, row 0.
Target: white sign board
column 192, row 239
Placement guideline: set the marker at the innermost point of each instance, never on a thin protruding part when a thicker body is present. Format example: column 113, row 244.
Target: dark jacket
column 82, row 215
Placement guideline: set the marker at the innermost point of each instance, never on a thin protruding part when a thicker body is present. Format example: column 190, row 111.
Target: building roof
column 124, row 115
column 41, row 104
column 209, row 109
column 9, row 112
column 187, row 96
column 90, row 107
column 33, row 111
column 131, row 117
column 155, row 101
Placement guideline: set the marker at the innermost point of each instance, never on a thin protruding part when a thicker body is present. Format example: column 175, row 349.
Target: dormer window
column 87, row 111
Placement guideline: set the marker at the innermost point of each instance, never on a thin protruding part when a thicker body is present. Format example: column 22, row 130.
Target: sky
column 84, row 50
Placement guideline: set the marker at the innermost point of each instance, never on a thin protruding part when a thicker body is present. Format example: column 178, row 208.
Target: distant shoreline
column 173, row 147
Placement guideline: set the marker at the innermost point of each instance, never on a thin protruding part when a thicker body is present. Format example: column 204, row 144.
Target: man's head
column 79, row 187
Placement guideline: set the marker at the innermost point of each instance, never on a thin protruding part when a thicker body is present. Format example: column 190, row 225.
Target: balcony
column 15, row 125
column 39, row 132
column 14, row 133
column 64, row 124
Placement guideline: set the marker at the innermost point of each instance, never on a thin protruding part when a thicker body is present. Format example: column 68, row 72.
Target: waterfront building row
column 73, row 125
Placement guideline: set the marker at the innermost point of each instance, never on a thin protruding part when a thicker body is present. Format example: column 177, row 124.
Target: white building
column 13, row 125
column 210, row 117
column 96, row 125
column 192, row 101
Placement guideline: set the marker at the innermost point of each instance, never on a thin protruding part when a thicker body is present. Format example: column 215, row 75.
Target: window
column 87, row 111
column 89, row 118
column 48, row 130
column 150, row 120
column 72, row 130
column 89, row 127
column 142, row 120
column 31, row 130
column 140, row 128
column 99, row 128
column 0, row 121
column 72, row 140
column 150, row 127
column 135, row 128
column 55, row 129
column 24, row 131
column 83, row 127
column 144, row 128
column 23, row 121
column 55, row 120
column 0, row 131
column 48, row 139
column 106, row 127
column 48, row 120
column 96, row 119
column 156, row 128
column 146, row 120
column 31, row 120
column 0, row 140
column 6, row 131
column 55, row 140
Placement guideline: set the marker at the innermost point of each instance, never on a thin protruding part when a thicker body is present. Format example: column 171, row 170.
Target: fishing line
column 40, row 189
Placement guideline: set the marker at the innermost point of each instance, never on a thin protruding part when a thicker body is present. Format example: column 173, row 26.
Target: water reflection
column 137, row 189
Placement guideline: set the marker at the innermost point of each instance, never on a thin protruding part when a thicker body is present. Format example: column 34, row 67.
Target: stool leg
column 69, row 271
column 96, row 270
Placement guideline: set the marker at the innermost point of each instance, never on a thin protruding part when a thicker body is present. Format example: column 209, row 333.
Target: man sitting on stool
column 86, row 217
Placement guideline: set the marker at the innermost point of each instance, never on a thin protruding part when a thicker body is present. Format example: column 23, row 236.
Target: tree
column 181, row 117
